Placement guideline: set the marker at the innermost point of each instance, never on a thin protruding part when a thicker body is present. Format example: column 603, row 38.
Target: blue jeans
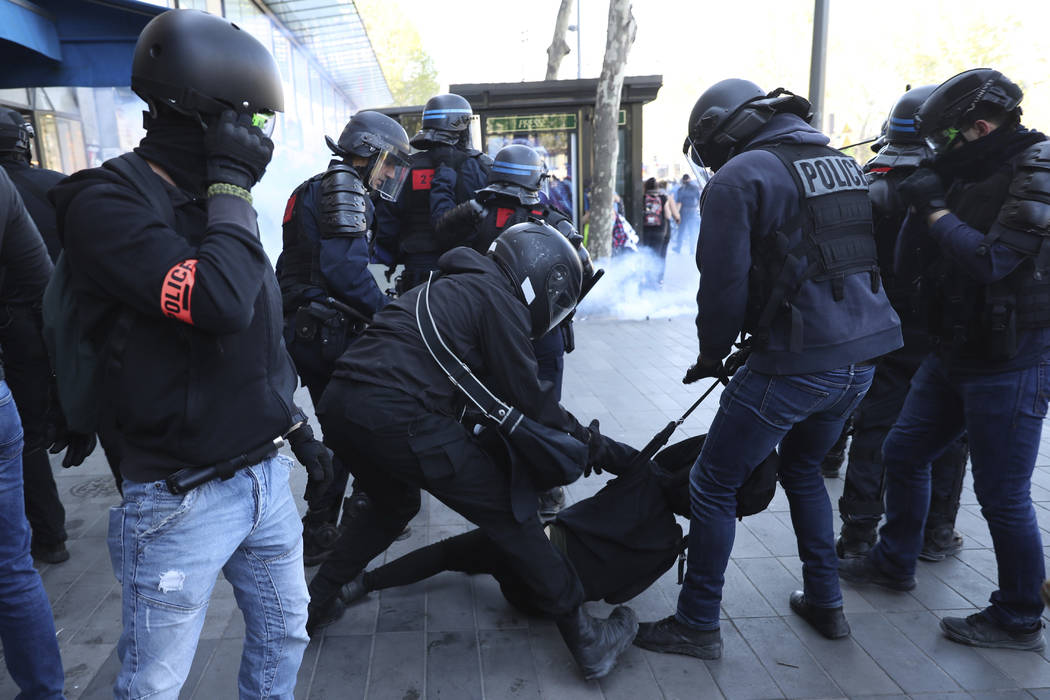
column 168, row 550
column 1002, row 415
column 27, row 628
column 804, row 413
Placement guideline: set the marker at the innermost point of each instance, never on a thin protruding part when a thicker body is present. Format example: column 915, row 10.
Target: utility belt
column 185, row 480
column 330, row 323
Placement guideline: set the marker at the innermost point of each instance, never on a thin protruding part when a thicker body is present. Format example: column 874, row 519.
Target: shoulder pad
column 1027, row 207
column 892, row 156
column 884, row 197
column 343, row 206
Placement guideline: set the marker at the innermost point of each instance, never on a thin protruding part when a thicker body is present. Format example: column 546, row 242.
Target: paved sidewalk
column 455, row 637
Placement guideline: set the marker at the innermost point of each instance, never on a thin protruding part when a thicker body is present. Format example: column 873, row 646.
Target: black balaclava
column 175, row 142
column 978, row 159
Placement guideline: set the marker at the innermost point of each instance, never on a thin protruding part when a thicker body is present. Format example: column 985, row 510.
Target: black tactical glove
column 315, row 457
column 237, row 152
column 704, row 368
column 924, row 191
column 78, row 446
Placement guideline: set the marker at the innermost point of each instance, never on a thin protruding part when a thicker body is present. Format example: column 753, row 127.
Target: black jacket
column 204, row 379
column 33, row 184
column 482, row 321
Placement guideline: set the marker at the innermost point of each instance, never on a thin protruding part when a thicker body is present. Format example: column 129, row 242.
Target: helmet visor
column 388, row 174
column 266, row 121
column 560, row 298
column 701, row 172
column 942, row 140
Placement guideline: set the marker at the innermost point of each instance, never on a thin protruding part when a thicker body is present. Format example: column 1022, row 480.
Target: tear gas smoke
column 628, row 290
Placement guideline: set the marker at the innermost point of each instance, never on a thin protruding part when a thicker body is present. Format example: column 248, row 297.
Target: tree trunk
column 558, row 48
column 618, row 41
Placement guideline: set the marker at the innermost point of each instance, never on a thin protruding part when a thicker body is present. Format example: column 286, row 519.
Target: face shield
column 266, row 121
column 701, row 172
column 560, row 298
column 387, row 174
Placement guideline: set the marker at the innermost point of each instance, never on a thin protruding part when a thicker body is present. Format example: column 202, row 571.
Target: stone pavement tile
column 792, row 667
column 934, row 593
column 746, row 544
column 219, row 677
column 844, row 661
column 398, row 666
column 973, row 527
column 87, row 557
column 507, row 665
column 682, row 677
column 222, row 607
column 739, row 674
column 402, row 609
column 772, row 580
column 453, row 666
column 649, row 605
column 981, row 560
column 1029, row 669
column 885, row 600
column 359, row 618
column 235, row 628
column 100, row 686
column 966, row 667
column 963, row 579
column 1002, row 695
column 559, row 676
column 491, row 609
column 304, row 679
column 81, row 662
column 103, row 625
column 905, row 663
column 740, row 598
column 74, row 608
column 342, row 668
column 1041, row 693
column 417, row 536
column 631, row 678
column 450, row 602
column 770, row 530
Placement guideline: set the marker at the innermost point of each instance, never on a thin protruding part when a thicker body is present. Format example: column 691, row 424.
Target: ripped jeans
column 167, row 552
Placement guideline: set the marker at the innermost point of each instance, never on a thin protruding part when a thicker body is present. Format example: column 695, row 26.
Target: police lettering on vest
column 829, row 174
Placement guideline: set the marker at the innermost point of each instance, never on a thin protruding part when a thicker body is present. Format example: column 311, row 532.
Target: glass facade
column 82, row 127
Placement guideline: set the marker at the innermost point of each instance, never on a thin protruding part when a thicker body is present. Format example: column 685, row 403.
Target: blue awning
column 84, row 43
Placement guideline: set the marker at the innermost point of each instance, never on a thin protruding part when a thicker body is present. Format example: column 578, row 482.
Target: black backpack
column 82, row 360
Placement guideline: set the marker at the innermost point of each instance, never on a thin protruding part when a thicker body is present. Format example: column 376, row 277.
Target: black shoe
column 852, row 549
column 830, row 622
column 318, row 542
column 669, row 636
column 978, row 630
column 940, row 542
column 405, row 534
column 596, row 644
column 551, row 502
column 864, row 571
column 829, row 468
column 356, row 589
column 50, row 555
column 325, row 605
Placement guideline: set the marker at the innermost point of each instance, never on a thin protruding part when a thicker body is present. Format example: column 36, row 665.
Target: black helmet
column 384, row 143
column 545, row 269
column 446, row 119
column 727, row 115
column 199, row 64
column 517, row 171
column 945, row 111
column 900, row 144
column 15, row 133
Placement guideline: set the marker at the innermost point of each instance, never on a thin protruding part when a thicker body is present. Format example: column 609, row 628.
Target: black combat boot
column 356, row 589
column 325, row 604
column 940, row 542
column 551, row 502
column 830, row 622
column 669, row 636
column 596, row 644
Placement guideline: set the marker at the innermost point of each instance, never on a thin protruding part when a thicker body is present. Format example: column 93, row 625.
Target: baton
column 185, row 480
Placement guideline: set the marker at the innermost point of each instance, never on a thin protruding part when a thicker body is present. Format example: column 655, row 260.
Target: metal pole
column 818, row 60
column 579, row 60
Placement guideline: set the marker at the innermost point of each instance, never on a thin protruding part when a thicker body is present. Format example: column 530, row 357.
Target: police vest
column 341, row 211
column 1011, row 207
column 829, row 240
column 502, row 212
column 417, row 233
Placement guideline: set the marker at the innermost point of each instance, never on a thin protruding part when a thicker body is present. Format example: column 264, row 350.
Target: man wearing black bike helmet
column 978, row 237
column 165, row 257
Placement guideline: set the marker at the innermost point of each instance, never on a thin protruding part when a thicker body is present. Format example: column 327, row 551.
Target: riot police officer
column 512, row 196
column 327, row 291
column 900, row 152
column 405, row 228
column 978, row 225
column 16, row 137
column 789, row 258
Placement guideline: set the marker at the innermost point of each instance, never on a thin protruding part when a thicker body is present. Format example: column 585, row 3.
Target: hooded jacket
column 753, row 196
column 484, row 323
column 209, row 381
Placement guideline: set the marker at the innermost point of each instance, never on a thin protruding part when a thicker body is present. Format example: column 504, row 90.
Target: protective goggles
column 701, row 172
column 387, row 175
column 942, row 139
column 266, row 121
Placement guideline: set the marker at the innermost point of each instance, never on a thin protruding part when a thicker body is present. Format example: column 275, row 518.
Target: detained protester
column 512, row 196
column 978, row 219
column 27, row 628
column 27, row 369
column 860, row 507
column 164, row 250
column 327, row 291
column 789, row 258
column 393, row 408
column 405, row 228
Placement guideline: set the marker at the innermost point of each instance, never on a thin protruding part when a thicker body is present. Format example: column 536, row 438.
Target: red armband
column 177, row 289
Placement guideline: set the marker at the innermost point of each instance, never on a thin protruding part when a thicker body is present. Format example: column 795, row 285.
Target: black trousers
column 861, row 505
column 399, row 448
column 28, row 373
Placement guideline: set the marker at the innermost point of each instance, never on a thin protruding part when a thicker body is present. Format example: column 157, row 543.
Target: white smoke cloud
column 626, row 291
